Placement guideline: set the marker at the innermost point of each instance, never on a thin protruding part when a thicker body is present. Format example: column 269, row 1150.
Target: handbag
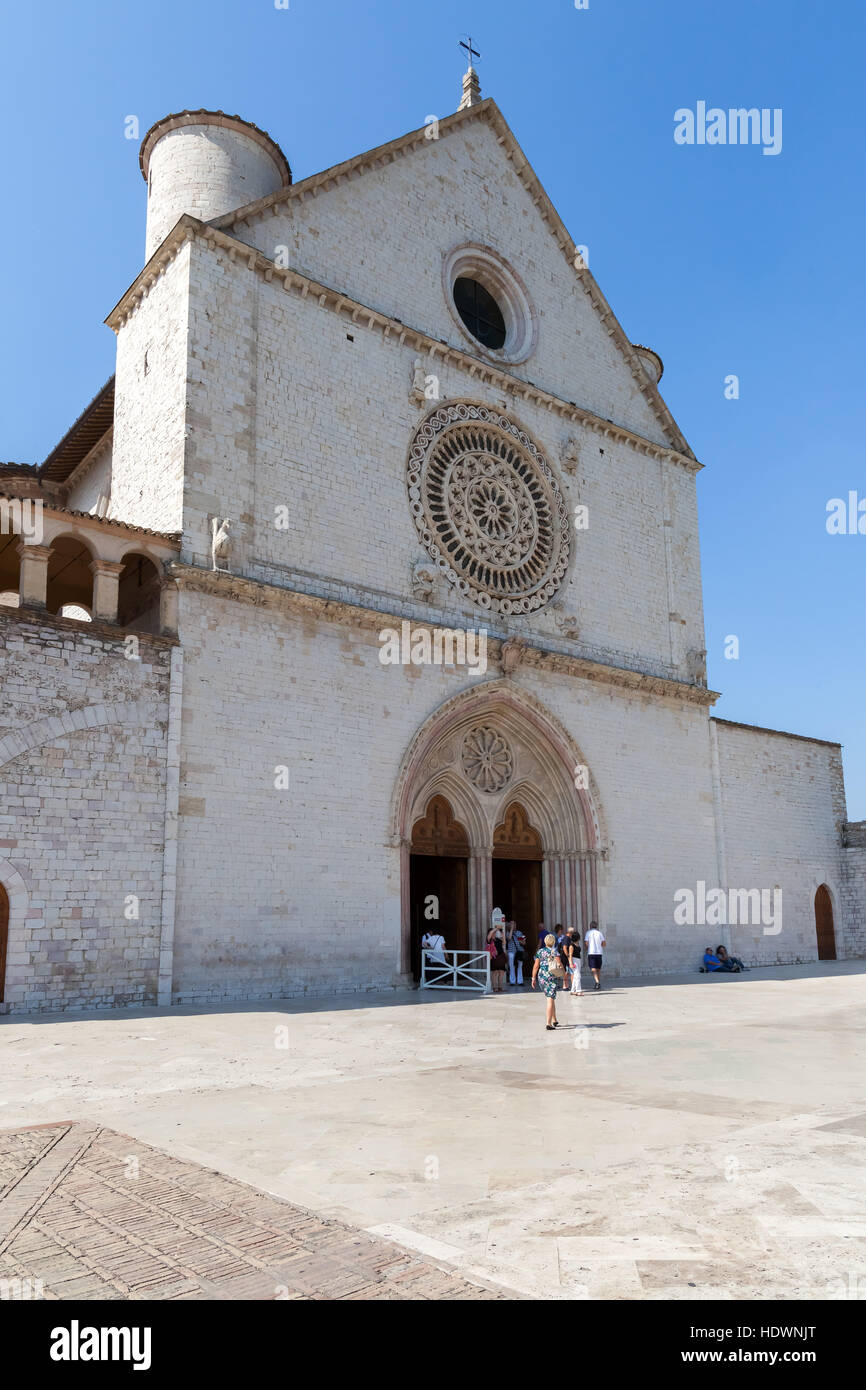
column 556, row 966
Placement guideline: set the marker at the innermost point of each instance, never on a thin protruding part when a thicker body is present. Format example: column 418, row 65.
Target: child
column 574, row 964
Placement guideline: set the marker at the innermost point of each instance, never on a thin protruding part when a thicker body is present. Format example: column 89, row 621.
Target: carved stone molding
column 423, row 580
column 239, row 589
column 487, row 759
column 570, row 456
column 512, row 654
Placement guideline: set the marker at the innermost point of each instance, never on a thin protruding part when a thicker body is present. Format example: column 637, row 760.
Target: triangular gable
column 487, row 112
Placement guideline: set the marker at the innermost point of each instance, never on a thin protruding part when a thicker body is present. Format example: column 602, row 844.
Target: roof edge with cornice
column 89, row 429
column 180, row 120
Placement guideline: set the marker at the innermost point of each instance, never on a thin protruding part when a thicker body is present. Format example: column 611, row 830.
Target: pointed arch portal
column 495, row 807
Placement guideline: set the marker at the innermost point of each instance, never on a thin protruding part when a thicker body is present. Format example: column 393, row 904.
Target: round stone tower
column 207, row 164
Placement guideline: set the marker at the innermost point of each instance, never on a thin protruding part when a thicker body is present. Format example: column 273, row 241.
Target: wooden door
column 824, row 924
column 4, row 938
column 517, row 890
column 526, row 894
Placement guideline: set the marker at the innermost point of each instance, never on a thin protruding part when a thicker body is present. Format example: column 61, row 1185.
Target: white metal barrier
column 470, row 968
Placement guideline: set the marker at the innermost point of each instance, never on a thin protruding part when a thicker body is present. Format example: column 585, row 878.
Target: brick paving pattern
column 93, row 1214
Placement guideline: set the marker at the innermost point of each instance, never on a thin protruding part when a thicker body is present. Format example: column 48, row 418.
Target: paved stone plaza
column 87, row 1213
column 688, row 1138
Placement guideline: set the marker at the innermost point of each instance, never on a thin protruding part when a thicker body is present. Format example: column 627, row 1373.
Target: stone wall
column 205, row 170
column 783, row 801
column 82, row 771
column 297, row 890
column 150, row 405
column 382, row 237
column 293, row 407
column 853, row 897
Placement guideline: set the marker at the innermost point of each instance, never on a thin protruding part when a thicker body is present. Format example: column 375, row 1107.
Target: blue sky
column 725, row 260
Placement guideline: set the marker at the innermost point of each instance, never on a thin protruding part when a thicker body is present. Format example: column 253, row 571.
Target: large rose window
column 488, row 508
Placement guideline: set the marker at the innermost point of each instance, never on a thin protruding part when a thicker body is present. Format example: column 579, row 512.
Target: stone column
column 33, row 584
column 405, row 908
column 554, row 865
column 594, row 887
column 584, row 897
column 168, row 609
column 485, row 875
column 472, row 896
column 547, row 903
column 106, row 581
column 574, row 896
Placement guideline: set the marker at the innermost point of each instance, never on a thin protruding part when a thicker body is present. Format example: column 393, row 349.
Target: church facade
column 368, row 593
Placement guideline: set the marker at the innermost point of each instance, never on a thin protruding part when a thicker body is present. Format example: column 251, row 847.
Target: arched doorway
column 517, row 856
column 4, row 938
column 508, row 771
column 824, row 924
column 439, row 879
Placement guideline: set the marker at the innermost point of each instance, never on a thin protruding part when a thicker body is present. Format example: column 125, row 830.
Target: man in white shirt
column 595, row 944
column 434, row 944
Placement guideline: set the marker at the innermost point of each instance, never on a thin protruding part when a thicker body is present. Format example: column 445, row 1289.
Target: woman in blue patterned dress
column 545, row 957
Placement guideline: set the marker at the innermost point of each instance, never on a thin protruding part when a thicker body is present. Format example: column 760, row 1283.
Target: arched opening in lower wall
column 138, row 594
column 4, row 939
column 10, row 569
column 517, row 857
column 824, row 927
column 439, row 879
column 70, row 579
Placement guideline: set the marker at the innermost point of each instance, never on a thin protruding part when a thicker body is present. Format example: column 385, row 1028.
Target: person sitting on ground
column 711, row 962
column 729, row 962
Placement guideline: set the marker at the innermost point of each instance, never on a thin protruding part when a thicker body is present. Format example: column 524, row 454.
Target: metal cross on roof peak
column 472, row 52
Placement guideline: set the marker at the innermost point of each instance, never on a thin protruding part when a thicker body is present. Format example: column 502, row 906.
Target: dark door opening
column 517, row 890
column 438, row 881
column 440, row 885
column 824, row 924
column 517, row 855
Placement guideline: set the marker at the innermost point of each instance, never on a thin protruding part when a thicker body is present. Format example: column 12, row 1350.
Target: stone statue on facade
column 423, row 579
column 696, row 662
column 512, row 655
column 221, row 542
column 570, row 456
column 568, row 626
column 418, row 392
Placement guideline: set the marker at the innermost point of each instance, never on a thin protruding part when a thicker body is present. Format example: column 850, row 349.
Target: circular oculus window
column 489, row 303
column 488, row 509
